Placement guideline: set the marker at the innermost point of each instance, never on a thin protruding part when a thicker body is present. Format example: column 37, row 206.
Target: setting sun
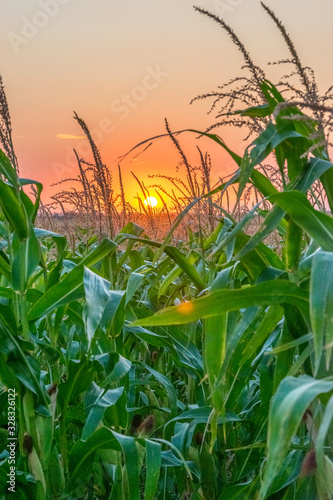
column 151, row 201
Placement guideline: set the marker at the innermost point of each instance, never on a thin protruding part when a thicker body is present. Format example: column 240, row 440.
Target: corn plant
column 137, row 369
column 266, row 321
column 225, row 394
column 94, row 394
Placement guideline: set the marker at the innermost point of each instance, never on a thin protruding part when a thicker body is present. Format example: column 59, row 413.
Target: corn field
column 137, row 368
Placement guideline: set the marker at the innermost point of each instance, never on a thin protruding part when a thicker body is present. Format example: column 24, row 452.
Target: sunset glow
column 130, row 98
column 151, row 201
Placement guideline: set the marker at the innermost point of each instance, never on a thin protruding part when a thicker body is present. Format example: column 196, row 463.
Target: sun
column 151, row 201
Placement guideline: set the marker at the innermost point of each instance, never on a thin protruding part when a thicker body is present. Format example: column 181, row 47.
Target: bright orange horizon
column 124, row 68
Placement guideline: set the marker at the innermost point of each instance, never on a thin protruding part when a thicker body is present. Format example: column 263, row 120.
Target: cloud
column 70, row 136
column 137, row 161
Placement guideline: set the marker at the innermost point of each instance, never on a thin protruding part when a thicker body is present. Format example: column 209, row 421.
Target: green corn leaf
column 131, row 464
column 45, row 426
column 215, row 353
column 135, row 259
column 7, row 170
column 314, row 170
column 256, row 111
column 133, row 283
column 34, row 206
column 231, row 235
column 24, row 368
column 219, row 141
column 175, row 272
column 114, row 306
column 271, row 221
column 27, row 182
column 83, row 454
column 237, row 491
column 69, row 289
column 26, row 257
column 264, row 294
column 327, row 182
column 289, row 473
column 303, row 182
column 213, row 236
column 96, row 291
column 153, row 465
column 283, row 359
column 5, row 269
column 96, row 402
column 186, row 266
column 234, row 340
column 269, row 322
column 294, row 343
column 215, row 341
column 149, row 337
column 56, row 479
column 324, row 429
column 169, row 388
column 261, row 147
column 13, row 210
column 293, row 245
column 104, row 248
column 317, row 224
column 292, row 398
column 175, row 224
column 202, row 415
column 321, row 305
column 130, row 228
column 117, row 415
column 272, row 95
column 262, row 183
column 175, row 254
column 258, row 259
column 270, row 139
column 208, row 471
column 187, row 353
column 246, row 168
column 79, row 378
column 115, row 367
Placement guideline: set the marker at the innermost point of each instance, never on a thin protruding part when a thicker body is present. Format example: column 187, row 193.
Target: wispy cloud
column 70, row 136
column 137, row 161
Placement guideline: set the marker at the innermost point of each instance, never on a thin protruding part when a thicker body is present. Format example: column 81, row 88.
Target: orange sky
column 124, row 66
